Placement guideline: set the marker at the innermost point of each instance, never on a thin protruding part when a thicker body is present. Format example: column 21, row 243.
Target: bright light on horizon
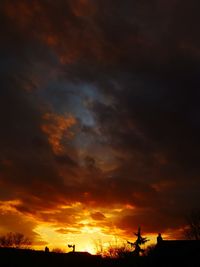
column 83, row 241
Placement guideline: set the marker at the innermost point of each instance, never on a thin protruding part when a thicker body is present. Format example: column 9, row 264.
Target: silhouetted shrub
column 15, row 240
column 149, row 250
column 192, row 230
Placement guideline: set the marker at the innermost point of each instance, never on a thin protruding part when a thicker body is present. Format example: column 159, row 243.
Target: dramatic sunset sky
column 99, row 119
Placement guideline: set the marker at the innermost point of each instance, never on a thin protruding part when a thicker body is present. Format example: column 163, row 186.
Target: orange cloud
column 57, row 128
column 98, row 216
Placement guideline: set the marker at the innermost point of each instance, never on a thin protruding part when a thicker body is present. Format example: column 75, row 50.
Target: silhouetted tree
column 193, row 225
column 16, row 240
column 139, row 241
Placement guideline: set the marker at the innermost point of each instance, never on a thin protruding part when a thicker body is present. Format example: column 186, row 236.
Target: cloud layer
column 99, row 105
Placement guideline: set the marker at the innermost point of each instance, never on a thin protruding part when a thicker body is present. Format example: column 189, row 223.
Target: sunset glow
column 99, row 121
column 90, row 232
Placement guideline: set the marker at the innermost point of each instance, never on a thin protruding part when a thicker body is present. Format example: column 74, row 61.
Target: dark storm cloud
column 28, row 166
column 25, row 152
column 142, row 59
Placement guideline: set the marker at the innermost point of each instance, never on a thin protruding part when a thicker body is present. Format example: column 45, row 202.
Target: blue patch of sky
column 68, row 98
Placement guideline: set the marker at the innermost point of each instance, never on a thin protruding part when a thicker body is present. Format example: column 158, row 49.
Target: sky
column 100, row 119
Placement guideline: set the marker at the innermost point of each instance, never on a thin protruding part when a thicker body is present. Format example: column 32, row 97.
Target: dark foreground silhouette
column 166, row 254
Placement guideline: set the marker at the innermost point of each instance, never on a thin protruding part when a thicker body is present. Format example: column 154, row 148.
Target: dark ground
column 30, row 258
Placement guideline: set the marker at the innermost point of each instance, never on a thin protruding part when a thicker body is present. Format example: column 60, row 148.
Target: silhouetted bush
column 58, row 250
column 15, row 240
column 116, row 251
column 149, row 250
